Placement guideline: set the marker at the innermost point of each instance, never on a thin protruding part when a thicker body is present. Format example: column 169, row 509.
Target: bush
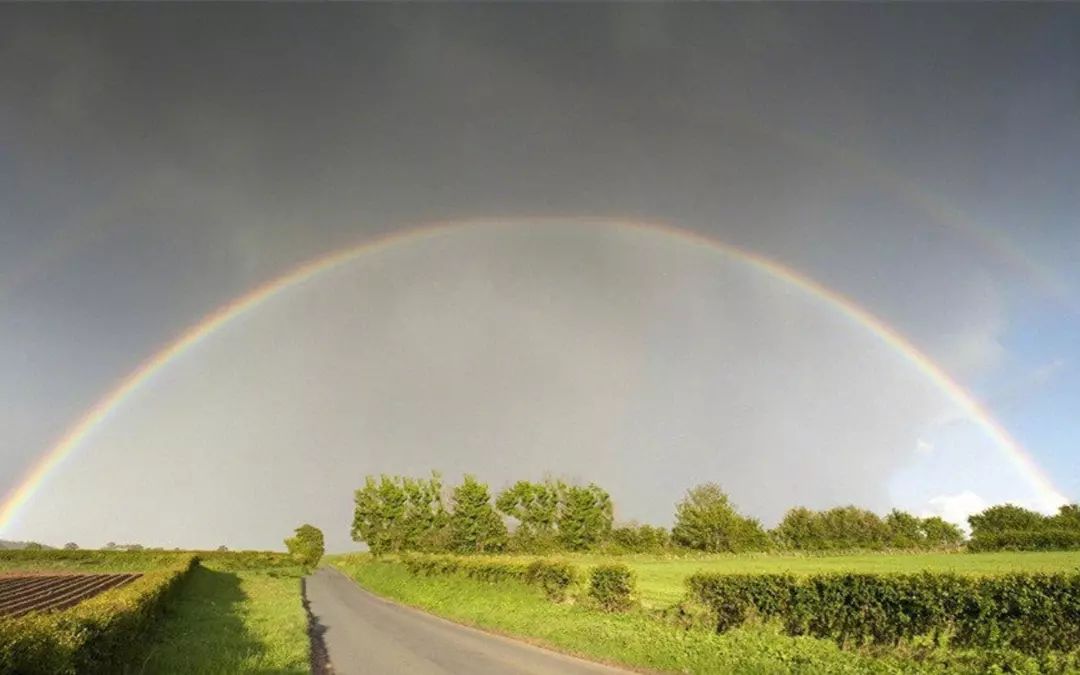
column 1030, row 613
column 93, row 636
column 612, row 587
column 554, row 577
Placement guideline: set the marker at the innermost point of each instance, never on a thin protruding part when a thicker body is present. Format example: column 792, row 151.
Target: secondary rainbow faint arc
column 249, row 301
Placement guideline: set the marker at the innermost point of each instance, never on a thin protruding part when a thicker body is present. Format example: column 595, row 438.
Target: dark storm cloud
column 158, row 161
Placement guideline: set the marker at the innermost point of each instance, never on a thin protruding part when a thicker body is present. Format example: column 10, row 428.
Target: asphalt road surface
column 366, row 634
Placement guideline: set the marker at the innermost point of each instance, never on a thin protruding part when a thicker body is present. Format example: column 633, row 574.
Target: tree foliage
column 475, row 527
column 1012, row 527
column 706, row 520
column 306, row 546
column 585, row 516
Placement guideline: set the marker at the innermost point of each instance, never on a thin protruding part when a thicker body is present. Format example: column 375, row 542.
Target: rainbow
column 106, row 406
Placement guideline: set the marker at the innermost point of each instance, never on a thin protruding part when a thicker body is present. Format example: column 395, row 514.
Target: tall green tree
column 379, row 519
column 306, row 546
column 585, row 516
column 475, row 527
column 535, row 507
column 706, row 520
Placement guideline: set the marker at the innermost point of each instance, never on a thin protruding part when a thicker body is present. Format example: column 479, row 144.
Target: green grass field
column 661, row 581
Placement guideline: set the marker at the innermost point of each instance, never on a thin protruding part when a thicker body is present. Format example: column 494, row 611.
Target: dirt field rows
column 23, row 593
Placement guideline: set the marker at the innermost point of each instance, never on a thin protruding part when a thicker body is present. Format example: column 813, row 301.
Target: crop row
column 23, row 594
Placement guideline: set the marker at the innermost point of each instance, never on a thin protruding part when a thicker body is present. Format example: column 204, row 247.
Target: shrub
column 1030, row 613
column 612, row 587
column 555, row 577
column 93, row 636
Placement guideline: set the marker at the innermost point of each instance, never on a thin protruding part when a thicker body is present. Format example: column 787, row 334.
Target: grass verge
column 637, row 639
column 232, row 621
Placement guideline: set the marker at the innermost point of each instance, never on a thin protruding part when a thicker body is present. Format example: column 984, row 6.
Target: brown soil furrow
column 76, row 595
column 65, row 591
column 58, row 585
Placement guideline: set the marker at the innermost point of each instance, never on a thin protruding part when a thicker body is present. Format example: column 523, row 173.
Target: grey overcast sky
column 159, row 161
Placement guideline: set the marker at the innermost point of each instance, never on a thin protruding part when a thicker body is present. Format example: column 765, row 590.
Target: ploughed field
column 24, row 593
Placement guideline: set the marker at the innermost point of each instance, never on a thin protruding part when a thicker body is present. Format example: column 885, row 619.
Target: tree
column 585, row 516
column 111, row 546
column 536, row 508
column 475, row 527
column 71, row 546
column 34, row 546
column 222, row 549
column 425, row 518
column 380, row 513
column 307, row 546
column 904, row 530
column 706, row 520
column 939, row 533
column 1004, row 518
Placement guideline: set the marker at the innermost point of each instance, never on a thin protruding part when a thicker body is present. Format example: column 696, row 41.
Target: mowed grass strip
column 635, row 639
column 662, row 581
column 227, row 622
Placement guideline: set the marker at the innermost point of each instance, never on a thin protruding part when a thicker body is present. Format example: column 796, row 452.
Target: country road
column 366, row 634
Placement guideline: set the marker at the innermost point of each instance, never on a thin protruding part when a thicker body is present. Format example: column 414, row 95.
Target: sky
column 158, row 162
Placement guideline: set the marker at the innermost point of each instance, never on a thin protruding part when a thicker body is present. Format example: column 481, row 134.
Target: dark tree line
column 1010, row 527
column 396, row 514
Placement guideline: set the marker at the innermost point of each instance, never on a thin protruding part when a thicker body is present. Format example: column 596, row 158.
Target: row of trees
column 1011, row 527
column 398, row 513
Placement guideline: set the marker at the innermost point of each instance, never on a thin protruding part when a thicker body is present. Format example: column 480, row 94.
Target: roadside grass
column 232, row 621
column 638, row 639
column 661, row 581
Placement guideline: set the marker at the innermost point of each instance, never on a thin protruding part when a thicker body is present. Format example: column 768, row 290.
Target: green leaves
column 1010, row 527
column 612, row 587
column 706, row 520
column 474, row 525
column 1030, row 613
column 307, row 546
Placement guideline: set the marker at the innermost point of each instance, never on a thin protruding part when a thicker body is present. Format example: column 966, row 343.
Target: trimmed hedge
column 1031, row 613
column 93, row 636
column 554, row 577
column 612, row 587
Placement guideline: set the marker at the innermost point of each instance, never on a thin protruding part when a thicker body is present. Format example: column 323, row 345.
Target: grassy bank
column 638, row 639
column 232, row 621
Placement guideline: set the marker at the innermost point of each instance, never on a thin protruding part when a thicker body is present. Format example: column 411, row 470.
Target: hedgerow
column 1029, row 613
column 94, row 636
column 612, row 587
column 554, row 577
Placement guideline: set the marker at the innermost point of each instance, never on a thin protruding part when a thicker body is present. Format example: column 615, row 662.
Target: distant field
column 87, row 561
column 660, row 580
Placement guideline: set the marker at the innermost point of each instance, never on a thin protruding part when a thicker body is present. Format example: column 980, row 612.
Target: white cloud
column 956, row 508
